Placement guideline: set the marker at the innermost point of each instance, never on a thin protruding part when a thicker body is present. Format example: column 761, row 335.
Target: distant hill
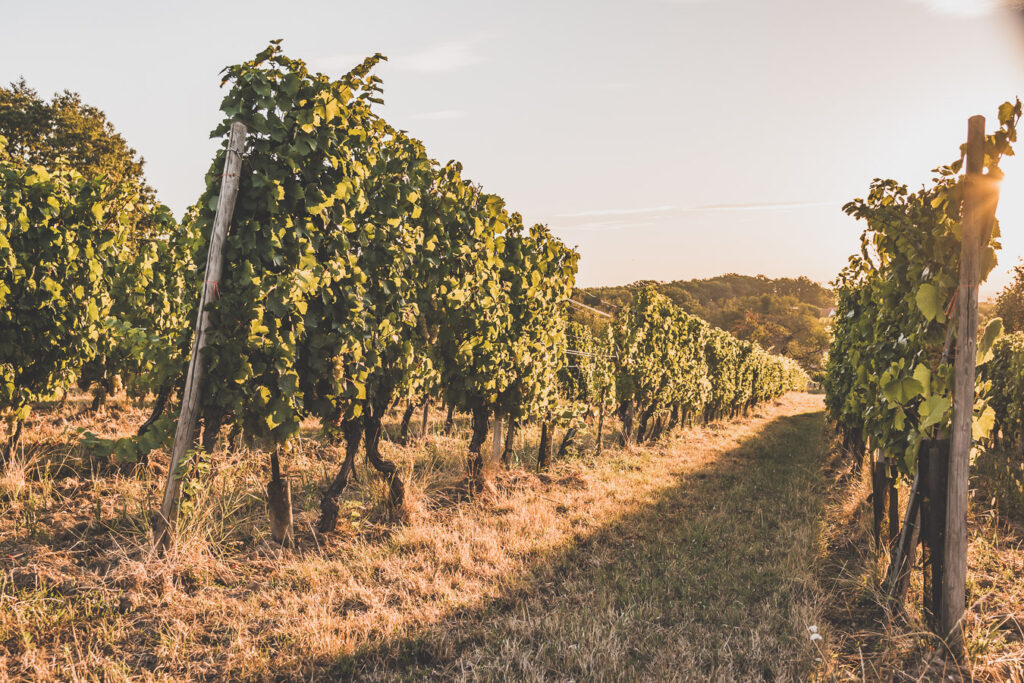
column 784, row 315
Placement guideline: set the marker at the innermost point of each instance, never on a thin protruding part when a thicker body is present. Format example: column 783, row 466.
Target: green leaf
column 934, row 410
column 900, row 391
column 928, row 302
column 923, row 374
column 992, row 332
column 982, row 425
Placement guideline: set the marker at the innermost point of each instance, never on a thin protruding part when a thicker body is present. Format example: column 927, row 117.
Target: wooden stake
column 954, row 578
column 496, row 441
column 190, row 402
column 898, row 568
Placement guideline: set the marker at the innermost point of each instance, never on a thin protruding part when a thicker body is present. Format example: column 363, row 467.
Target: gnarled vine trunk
column 567, row 441
column 449, row 420
column 645, row 418
column 352, row 431
column 894, row 507
column 626, row 416
column 476, row 460
column 371, row 433
column 213, row 420
column 403, row 434
column 544, row 450
column 510, row 435
column 158, row 409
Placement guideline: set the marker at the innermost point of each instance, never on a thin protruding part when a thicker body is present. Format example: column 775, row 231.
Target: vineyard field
column 349, row 414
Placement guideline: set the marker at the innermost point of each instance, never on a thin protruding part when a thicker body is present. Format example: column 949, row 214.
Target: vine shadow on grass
column 713, row 580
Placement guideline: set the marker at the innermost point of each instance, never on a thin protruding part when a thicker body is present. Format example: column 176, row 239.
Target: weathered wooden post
column 190, row 403
column 495, row 441
column 426, row 415
column 980, row 197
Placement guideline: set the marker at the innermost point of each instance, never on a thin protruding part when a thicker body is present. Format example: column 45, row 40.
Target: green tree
column 1010, row 302
column 68, row 130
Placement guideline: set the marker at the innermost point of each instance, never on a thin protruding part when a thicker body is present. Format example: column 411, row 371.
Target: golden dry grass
column 689, row 556
column 870, row 639
column 707, row 556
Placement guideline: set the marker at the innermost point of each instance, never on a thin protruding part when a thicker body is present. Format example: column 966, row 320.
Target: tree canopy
column 784, row 315
column 1010, row 302
column 69, row 131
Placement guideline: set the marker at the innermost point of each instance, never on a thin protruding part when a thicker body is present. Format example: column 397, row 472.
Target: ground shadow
column 708, row 581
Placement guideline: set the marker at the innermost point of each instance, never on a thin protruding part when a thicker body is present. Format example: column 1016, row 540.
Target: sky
column 665, row 139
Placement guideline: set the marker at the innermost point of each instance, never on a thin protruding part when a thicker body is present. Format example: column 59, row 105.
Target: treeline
column 784, row 315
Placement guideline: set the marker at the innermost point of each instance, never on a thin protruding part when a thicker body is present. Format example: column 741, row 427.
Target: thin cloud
column 615, row 212
column 442, row 115
column 449, row 56
column 592, row 226
column 340, row 62
column 438, row 58
column 764, row 206
column 964, row 8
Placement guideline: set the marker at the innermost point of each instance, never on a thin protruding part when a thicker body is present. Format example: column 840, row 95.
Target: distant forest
column 784, row 315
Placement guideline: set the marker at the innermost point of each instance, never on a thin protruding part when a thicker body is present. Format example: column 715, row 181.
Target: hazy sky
column 666, row 139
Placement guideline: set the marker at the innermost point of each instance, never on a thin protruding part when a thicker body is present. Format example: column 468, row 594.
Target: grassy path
column 712, row 578
column 691, row 559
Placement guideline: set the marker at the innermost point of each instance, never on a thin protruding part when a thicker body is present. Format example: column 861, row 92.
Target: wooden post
column 496, row 441
column 932, row 461
column 905, row 543
column 189, row 415
column 879, row 495
column 954, row 578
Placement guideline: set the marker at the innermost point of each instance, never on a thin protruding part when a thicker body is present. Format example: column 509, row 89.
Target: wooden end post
column 190, row 401
column 954, row 577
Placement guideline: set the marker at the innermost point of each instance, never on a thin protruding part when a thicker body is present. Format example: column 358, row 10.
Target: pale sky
column 667, row 139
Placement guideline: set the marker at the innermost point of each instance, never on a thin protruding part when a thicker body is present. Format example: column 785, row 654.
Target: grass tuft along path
column 710, row 577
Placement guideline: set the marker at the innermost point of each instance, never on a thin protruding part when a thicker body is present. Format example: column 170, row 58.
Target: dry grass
column 870, row 639
column 688, row 558
column 707, row 556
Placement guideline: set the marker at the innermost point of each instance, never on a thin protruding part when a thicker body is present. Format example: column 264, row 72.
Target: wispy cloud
column 442, row 115
column 964, row 8
column 649, row 216
column 437, row 58
column 615, row 212
column 593, row 226
column 449, row 56
column 763, row 206
column 340, row 62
